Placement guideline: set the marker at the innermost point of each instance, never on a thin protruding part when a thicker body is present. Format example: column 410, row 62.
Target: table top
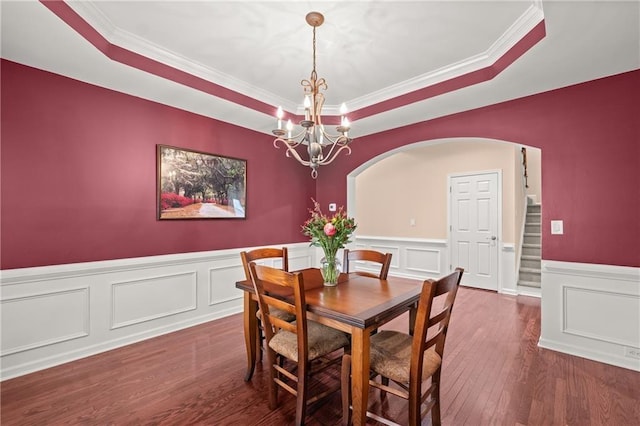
column 357, row 300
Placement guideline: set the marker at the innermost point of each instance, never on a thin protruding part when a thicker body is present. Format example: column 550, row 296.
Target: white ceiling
column 368, row 51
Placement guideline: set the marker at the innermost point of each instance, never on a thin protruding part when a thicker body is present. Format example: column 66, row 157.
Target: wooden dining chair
column 301, row 342
column 384, row 259
column 409, row 361
column 261, row 254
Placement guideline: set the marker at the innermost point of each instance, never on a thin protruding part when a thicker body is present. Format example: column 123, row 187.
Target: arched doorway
column 401, row 202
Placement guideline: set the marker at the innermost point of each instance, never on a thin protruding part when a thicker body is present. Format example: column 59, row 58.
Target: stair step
column 531, row 250
column 527, row 261
column 532, row 228
column 529, row 274
column 529, row 284
column 532, row 239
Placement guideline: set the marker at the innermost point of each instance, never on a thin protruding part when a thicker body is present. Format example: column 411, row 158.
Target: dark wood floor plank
column 493, row 374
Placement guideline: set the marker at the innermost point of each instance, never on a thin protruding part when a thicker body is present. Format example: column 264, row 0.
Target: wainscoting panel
column 220, row 283
column 146, row 299
column 592, row 311
column 411, row 257
column 63, row 315
column 304, row 257
column 423, row 261
column 508, row 282
column 613, row 308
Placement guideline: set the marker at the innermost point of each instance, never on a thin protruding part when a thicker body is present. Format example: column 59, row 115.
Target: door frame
column 499, row 244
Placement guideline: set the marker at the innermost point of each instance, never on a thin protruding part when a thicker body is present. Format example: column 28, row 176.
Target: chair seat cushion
column 321, row 339
column 391, row 356
column 278, row 313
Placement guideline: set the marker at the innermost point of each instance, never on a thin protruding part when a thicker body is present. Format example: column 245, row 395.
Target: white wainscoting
column 56, row 314
column 592, row 311
column 429, row 258
column 411, row 257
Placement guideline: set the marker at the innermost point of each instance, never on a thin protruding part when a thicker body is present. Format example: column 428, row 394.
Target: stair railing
column 523, row 150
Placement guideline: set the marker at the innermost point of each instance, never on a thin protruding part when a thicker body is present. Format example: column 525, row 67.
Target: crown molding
column 516, row 32
column 126, row 40
column 118, row 37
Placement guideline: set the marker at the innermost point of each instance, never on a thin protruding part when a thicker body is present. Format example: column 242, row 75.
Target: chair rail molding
column 592, row 311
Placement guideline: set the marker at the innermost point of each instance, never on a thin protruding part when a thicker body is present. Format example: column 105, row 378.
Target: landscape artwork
column 197, row 185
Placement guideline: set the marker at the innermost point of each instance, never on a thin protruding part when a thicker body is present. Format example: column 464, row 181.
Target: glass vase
column 330, row 268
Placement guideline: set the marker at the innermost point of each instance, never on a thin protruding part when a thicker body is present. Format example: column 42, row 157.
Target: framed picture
column 197, row 185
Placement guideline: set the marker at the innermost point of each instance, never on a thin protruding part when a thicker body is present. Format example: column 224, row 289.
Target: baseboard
column 582, row 352
column 529, row 291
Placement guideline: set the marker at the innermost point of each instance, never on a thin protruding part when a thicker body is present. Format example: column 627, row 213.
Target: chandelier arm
column 329, row 159
column 292, row 151
column 286, row 142
column 333, row 147
column 298, row 135
column 339, row 139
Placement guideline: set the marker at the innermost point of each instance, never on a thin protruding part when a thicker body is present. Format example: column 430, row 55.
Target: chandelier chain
column 314, row 50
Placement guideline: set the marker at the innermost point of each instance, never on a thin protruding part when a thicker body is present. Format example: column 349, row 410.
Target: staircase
column 529, row 274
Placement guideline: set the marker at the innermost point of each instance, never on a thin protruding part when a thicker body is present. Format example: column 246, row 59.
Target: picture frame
column 198, row 185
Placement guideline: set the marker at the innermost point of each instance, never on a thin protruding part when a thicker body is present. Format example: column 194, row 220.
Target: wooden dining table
column 357, row 305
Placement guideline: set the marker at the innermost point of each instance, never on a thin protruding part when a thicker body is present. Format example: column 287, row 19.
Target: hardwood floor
column 493, row 374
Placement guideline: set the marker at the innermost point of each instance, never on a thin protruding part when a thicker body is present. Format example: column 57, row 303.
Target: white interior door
column 474, row 213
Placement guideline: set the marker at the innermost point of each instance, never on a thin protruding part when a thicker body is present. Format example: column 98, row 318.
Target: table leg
column 360, row 374
column 250, row 334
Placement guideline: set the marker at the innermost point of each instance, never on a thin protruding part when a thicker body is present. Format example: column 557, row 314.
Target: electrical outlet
column 631, row 352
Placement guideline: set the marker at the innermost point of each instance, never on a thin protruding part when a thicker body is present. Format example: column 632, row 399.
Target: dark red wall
column 78, row 171
column 590, row 140
column 79, row 176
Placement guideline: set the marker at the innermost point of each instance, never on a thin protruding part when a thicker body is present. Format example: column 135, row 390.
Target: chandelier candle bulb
column 343, row 113
column 289, row 128
column 279, row 114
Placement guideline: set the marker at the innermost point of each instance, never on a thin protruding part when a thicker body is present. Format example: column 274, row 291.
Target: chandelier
column 322, row 147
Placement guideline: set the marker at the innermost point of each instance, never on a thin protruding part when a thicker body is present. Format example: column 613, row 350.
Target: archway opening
column 400, row 200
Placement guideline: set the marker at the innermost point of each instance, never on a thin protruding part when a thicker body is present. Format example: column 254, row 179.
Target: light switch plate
column 557, row 227
column 332, row 207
